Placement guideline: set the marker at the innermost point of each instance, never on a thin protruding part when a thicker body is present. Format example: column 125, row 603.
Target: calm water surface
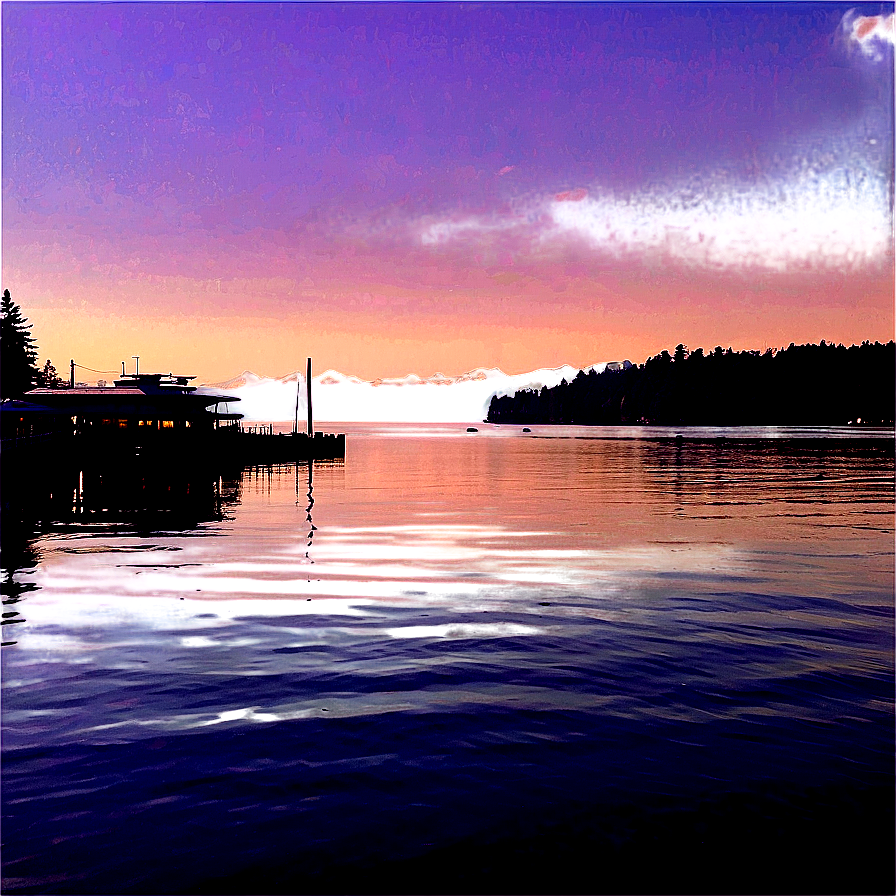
column 460, row 662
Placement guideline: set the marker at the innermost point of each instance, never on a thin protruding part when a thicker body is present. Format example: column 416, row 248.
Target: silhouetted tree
column 49, row 378
column 18, row 350
column 801, row 385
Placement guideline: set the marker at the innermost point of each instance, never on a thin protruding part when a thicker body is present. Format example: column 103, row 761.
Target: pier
column 260, row 444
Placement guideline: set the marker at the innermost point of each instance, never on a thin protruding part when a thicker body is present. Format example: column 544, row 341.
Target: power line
column 91, row 369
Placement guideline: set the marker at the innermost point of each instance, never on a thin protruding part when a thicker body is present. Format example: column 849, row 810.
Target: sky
column 394, row 188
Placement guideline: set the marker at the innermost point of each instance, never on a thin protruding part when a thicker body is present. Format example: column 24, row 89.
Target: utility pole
column 72, row 379
column 137, row 368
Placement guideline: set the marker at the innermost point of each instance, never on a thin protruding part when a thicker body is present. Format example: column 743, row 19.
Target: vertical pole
column 73, row 374
column 308, row 387
column 295, row 426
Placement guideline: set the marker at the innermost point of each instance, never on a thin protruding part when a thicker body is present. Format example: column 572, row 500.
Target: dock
column 260, row 445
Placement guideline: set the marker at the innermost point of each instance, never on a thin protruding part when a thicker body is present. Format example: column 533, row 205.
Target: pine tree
column 18, row 350
column 49, row 378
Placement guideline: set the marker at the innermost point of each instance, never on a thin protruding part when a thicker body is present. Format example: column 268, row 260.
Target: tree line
column 18, row 354
column 822, row 384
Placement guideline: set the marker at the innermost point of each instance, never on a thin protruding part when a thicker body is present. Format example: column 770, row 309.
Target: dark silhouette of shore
column 802, row 385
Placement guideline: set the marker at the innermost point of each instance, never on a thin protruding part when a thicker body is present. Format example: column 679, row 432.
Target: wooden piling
column 308, row 387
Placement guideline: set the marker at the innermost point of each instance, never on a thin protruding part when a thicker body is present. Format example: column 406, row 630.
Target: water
column 576, row 660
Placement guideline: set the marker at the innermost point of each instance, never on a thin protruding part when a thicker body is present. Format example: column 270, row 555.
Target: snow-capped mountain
column 411, row 399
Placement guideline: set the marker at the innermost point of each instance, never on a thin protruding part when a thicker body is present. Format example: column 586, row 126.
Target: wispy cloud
column 834, row 219
column 571, row 195
column 436, row 232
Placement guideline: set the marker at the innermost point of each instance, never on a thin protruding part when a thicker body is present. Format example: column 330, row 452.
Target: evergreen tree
column 18, row 350
column 812, row 385
column 49, row 378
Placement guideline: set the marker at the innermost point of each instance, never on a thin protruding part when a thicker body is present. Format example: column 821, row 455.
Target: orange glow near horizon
column 560, row 186
column 589, row 323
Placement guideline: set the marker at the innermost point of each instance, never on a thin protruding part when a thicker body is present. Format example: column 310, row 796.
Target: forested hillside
column 821, row 384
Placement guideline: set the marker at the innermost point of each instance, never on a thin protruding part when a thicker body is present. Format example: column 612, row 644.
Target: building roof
column 147, row 394
column 117, row 394
column 92, row 391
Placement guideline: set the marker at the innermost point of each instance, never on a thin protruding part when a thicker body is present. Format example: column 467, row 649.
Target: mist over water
column 409, row 399
column 576, row 660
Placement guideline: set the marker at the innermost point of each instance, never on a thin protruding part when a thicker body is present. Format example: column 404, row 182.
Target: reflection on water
column 458, row 655
column 127, row 497
column 310, row 496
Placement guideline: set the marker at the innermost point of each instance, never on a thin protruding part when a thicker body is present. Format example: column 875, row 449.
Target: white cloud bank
column 411, row 399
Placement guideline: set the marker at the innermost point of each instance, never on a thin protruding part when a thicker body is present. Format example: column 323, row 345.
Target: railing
column 258, row 430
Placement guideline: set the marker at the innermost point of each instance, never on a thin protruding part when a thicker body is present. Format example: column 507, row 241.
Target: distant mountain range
column 411, row 399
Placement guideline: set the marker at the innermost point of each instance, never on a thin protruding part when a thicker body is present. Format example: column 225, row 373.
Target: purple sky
column 397, row 187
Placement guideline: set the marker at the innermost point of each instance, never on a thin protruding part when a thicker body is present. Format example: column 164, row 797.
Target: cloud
column 871, row 35
column 868, row 26
column 815, row 219
column 411, row 399
column 443, row 231
column 571, row 195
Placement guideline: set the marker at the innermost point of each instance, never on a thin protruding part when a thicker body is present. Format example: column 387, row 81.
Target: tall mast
column 308, row 386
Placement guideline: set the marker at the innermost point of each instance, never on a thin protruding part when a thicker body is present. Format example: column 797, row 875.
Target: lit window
column 167, row 424
column 122, row 423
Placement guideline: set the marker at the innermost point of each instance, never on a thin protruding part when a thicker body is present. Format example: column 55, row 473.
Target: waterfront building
column 148, row 415
column 140, row 410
